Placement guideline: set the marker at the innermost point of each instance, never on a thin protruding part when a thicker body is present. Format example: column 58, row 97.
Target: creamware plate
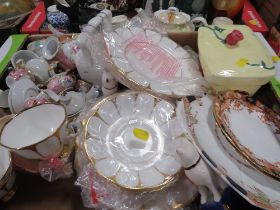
column 131, row 138
column 146, row 60
column 257, row 188
column 252, row 129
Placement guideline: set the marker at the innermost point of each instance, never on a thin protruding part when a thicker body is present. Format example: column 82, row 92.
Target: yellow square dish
column 245, row 66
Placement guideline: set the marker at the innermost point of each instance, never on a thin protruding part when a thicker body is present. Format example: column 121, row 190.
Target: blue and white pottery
column 57, row 18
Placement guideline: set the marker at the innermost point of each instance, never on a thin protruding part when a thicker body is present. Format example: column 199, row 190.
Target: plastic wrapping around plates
column 252, row 129
column 131, row 139
column 144, row 59
column 257, row 188
column 233, row 58
column 99, row 193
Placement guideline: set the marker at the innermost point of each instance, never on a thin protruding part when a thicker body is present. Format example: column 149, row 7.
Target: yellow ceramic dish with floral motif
column 233, row 58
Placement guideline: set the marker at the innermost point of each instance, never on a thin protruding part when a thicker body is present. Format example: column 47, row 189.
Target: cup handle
column 9, row 81
column 52, row 95
column 200, row 19
column 74, row 128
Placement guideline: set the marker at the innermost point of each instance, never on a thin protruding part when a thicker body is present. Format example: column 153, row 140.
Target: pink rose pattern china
column 61, row 83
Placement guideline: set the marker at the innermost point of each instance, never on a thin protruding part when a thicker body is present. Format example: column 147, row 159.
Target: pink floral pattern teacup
column 60, row 83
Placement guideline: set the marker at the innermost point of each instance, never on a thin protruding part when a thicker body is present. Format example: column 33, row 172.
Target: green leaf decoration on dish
column 242, row 62
column 219, row 29
column 215, row 30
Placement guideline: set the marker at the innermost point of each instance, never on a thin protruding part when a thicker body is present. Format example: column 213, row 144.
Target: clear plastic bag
column 61, row 167
column 124, row 168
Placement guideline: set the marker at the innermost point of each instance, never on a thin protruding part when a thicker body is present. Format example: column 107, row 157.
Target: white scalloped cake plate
column 132, row 138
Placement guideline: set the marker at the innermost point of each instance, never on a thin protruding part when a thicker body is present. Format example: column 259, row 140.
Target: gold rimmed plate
column 252, row 129
column 131, row 139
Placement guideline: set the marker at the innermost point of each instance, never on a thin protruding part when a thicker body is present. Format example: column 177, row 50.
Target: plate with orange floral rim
column 251, row 128
column 254, row 186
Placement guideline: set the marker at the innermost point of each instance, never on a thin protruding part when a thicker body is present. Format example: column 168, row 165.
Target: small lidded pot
column 57, row 18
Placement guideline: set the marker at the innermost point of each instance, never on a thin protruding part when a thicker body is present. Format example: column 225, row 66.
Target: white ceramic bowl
column 36, row 133
column 51, row 47
column 20, row 91
column 40, row 68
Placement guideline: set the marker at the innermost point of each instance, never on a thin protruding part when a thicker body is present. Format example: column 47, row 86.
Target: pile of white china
column 53, row 89
column 49, row 83
column 134, row 147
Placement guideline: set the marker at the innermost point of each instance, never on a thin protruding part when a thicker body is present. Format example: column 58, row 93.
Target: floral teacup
column 60, row 83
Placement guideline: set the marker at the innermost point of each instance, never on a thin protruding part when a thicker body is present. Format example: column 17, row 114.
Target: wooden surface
column 34, row 193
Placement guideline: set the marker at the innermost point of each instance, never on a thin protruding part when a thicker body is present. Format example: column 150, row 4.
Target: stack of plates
column 240, row 141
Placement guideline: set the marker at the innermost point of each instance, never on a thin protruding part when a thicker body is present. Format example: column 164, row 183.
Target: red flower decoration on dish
column 234, row 37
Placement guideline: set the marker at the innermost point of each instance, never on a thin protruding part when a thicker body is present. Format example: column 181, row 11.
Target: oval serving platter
column 131, row 139
column 252, row 129
column 145, row 60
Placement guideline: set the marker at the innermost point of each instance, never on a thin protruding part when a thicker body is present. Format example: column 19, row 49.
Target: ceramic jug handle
column 200, row 19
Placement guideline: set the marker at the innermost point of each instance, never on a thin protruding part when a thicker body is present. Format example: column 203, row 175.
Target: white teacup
column 51, row 47
column 20, row 91
column 7, row 175
column 37, row 133
column 24, row 55
column 39, row 68
column 54, row 50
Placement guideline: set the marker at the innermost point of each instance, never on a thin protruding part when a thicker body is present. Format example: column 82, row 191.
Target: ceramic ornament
column 197, row 171
column 109, row 84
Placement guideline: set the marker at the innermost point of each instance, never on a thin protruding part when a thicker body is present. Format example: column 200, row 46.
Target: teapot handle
column 200, row 19
column 173, row 9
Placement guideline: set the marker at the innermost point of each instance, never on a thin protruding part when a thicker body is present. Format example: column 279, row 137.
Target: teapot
column 173, row 20
column 73, row 101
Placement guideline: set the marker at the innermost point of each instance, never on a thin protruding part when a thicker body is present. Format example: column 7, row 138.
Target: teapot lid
column 172, row 16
